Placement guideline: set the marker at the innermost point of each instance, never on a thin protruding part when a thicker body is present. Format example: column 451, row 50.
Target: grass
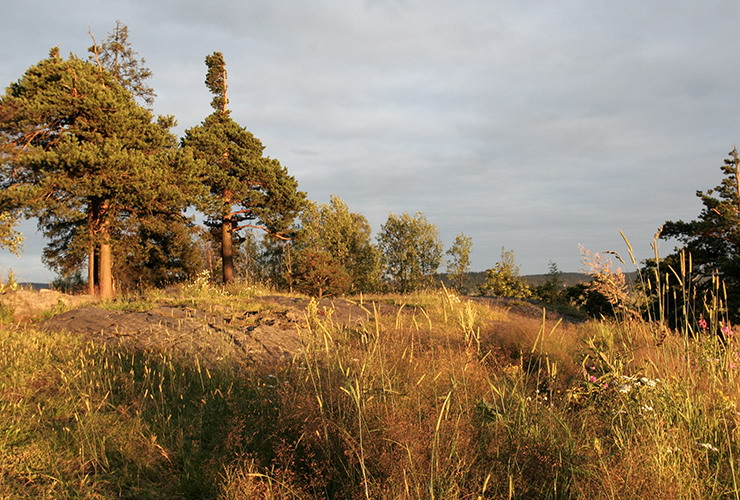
column 442, row 399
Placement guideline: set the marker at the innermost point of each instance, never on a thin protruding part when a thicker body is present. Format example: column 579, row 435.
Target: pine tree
column 117, row 56
column 713, row 240
column 247, row 190
column 85, row 159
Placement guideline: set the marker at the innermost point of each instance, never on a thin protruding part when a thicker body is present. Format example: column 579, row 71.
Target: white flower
column 648, row 382
column 624, row 388
column 707, row 446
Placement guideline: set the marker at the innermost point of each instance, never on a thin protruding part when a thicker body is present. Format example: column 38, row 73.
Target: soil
column 268, row 332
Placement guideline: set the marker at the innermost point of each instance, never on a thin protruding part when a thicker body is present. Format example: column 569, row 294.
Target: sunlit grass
column 434, row 397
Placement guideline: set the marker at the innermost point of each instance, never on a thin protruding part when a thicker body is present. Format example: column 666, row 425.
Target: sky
column 533, row 125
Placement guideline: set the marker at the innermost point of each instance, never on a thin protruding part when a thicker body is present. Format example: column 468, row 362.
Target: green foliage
column 345, row 236
column 713, row 240
column 318, row 273
column 71, row 283
column 158, row 251
column 552, row 290
column 9, row 237
column 412, row 251
column 458, row 265
column 503, row 279
column 216, row 82
column 245, row 188
column 589, row 301
column 9, row 283
column 86, row 160
column 237, row 174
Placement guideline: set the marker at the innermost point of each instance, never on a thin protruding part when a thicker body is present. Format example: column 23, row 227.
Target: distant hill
column 567, row 279
column 34, row 286
column 476, row 279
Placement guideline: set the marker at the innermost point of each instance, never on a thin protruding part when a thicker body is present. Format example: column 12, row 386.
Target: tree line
column 111, row 186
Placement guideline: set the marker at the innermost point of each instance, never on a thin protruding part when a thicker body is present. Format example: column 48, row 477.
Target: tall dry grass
column 440, row 398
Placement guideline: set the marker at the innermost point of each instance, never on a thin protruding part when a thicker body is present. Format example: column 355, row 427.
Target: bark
column 91, row 270
column 227, row 250
column 92, row 264
column 105, row 272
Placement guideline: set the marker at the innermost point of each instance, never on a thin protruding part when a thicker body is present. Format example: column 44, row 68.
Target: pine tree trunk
column 227, row 250
column 93, row 213
column 105, row 272
column 91, row 270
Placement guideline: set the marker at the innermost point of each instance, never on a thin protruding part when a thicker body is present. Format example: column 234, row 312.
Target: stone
column 30, row 304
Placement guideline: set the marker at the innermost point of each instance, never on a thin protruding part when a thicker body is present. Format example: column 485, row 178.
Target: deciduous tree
column 318, row 273
column 458, row 265
column 344, row 235
column 503, row 279
column 9, row 237
column 412, row 251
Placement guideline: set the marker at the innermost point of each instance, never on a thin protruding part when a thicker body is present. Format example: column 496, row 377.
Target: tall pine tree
column 84, row 158
column 246, row 188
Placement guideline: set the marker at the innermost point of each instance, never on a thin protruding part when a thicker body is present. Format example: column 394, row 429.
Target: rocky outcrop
column 30, row 304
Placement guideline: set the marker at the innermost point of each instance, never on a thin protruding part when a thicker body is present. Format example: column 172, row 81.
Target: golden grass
column 441, row 398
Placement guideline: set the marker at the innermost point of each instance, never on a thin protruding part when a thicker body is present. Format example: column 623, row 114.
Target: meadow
column 436, row 397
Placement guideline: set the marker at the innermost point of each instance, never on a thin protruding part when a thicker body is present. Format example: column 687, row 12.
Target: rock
column 29, row 304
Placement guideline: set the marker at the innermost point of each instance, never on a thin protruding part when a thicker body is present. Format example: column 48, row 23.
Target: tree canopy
column 117, row 56
column 9, row 237
column 458, row 265
column 503, row 279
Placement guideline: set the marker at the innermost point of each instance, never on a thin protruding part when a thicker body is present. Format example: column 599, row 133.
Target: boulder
column 29, row 304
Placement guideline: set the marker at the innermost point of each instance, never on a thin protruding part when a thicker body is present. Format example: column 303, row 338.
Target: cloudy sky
column 533, row 125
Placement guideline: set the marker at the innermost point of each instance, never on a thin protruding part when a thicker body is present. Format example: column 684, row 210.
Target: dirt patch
column 214, row 332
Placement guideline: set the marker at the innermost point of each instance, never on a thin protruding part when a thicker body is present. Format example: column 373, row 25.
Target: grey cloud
column 531, row 125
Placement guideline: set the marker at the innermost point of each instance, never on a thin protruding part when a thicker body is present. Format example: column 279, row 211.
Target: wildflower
column 703, row 324
column 624, row 388
column 592, row 379
column 727, row 331
column 707, row 446
column 648, row 382
column 646, row 408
